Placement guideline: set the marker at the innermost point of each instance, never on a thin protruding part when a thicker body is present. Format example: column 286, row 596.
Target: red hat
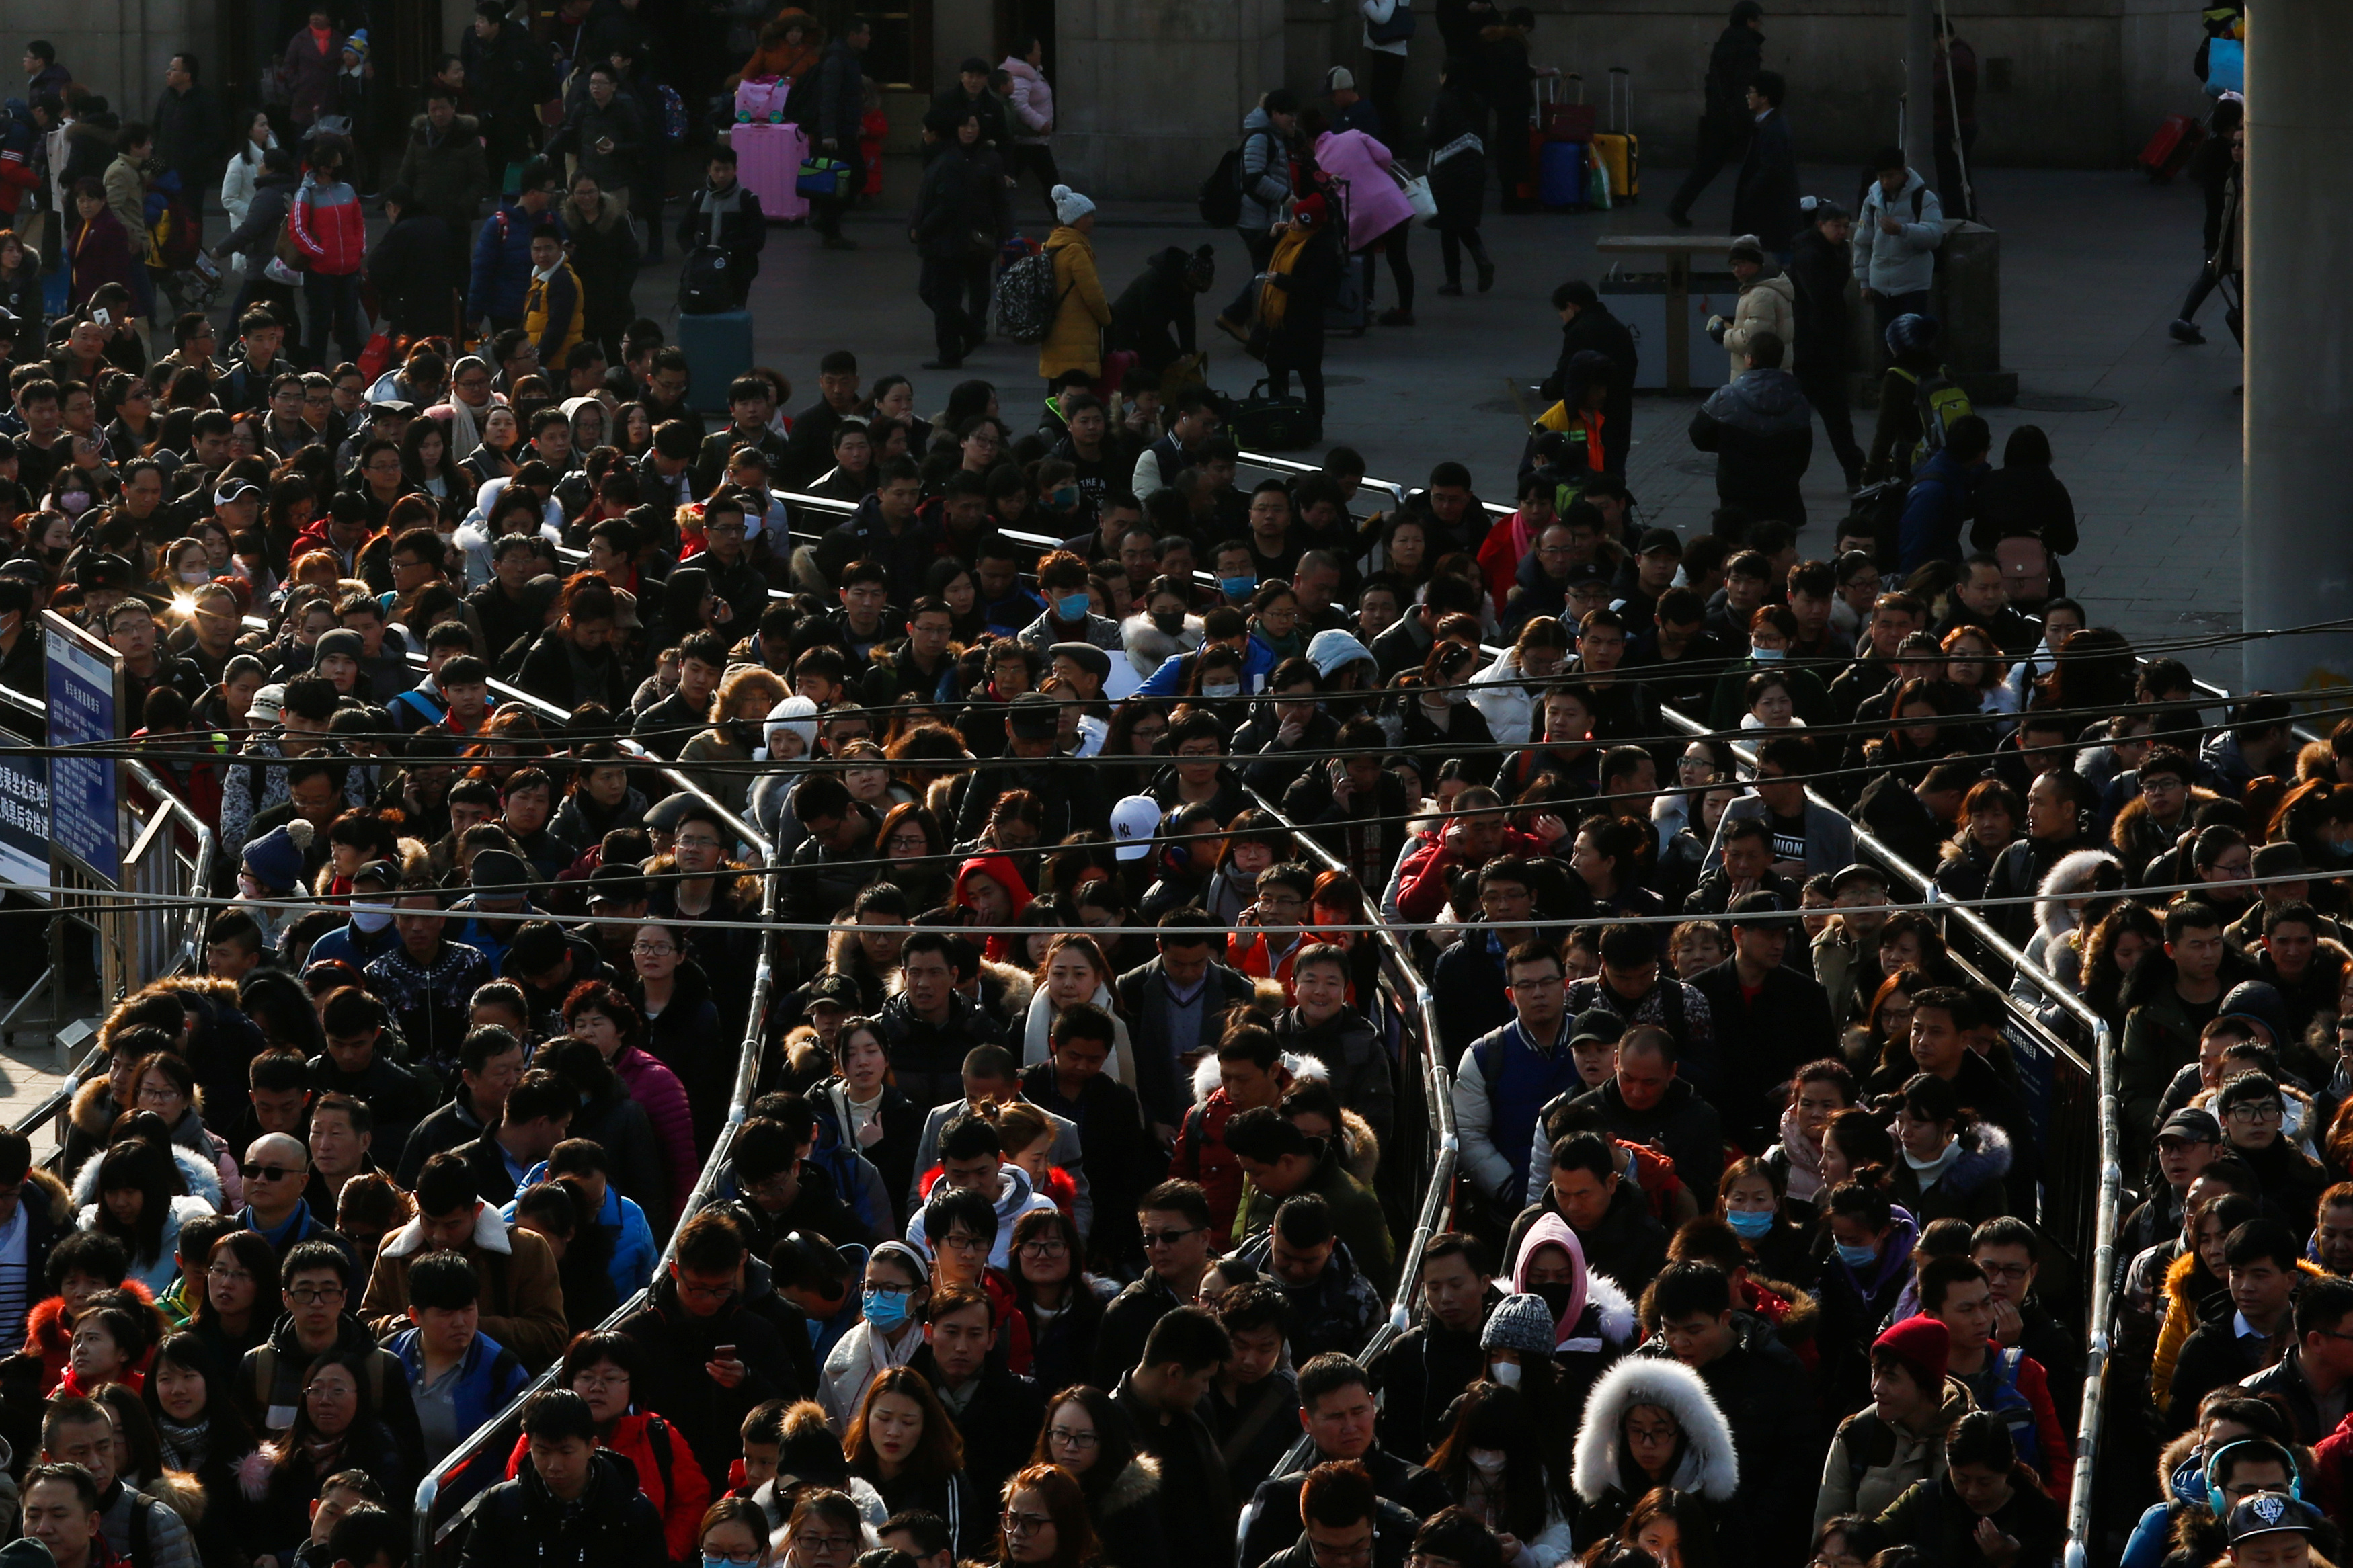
column 1309, row 211
column 1923, row 1346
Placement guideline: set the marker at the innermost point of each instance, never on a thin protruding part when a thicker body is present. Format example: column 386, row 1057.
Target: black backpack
column 1220, row 199
column 705, row 287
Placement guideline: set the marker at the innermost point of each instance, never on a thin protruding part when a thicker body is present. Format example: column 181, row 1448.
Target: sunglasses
column 257, row 1173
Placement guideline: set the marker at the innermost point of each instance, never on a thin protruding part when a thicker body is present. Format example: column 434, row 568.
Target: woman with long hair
column 739, row 710
column 1254, row 840
column 335, row 1428
column 426, row 461
column 164, row 1083
column 912, row 850
column 1751, row 1197
column 734, row 1531
column 498, row 451
column 1045, row 1522
column 598, row 799
column 1493, row 1462
column 1052, row 1293
column 237, row 1303
column 902, row 1441
column 1074, row 970
column 867, row 1112
column 2125, row 935
column 1953, row 1163
column 1648, row 1424
column 1092, row 1440
column 137, row 1205
column 608, row 1370
column 1990, row 815
column 1974, row 662
column 199, row 1429
column 1674, row 1527
column 825, row 1529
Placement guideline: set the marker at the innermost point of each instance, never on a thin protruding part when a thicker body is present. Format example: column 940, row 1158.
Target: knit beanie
column 343, row 640
column 1332, row 650
column 1910, row 331
column 1923, row 1346
column 797, row 714
column 1748, row 247
column 1522, row 1323
column 276, row 858
column 1069, row 205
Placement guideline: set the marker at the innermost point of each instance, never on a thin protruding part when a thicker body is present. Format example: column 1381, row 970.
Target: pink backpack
column 760, row 100
column 2025, row 568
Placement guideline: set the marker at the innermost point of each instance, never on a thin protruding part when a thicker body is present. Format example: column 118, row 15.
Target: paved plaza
column 2094, row 266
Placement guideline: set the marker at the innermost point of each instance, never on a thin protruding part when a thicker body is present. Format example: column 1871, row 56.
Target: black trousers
column 1718, row 145
column 1304, row 354
column 1383, row 80
column 1037, row 159
column 826, row 212
column 1826, row 390
column 957, row 294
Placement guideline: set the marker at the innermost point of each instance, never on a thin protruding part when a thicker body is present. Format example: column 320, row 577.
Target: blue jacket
column 502, row 275
column 2152, row 1537
column 487, row 1379
column 635, row 1252
column 1943, row 494
column 353, row 945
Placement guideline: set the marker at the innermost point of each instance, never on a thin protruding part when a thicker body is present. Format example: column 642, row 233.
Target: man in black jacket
column 1762, row 432
column 724, row 216
column 1162, row 1394
column 1725, row 121
column 188, row 130
column 1764, row 201
column 1335, row 1406
column 1587, row 325
column 1763, row 1391
column 962, row 210
column 713, row 1354
column 833, row 132
column 570, row 1501
column 1769, row 1020
column 1820, row 268
column 414, row 268
column 510, row 77
column 997, row 1413
column 1424, row 1370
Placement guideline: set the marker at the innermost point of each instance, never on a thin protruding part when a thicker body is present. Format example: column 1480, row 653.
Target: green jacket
column 1356, row 1219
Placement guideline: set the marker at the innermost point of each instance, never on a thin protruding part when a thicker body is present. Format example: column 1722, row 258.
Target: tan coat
column 522, row 1303
column 1081, row 311
column 1769, row 305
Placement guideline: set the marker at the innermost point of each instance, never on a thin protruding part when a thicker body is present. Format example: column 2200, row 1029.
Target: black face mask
column 1172, row 623
column 1555, row 1297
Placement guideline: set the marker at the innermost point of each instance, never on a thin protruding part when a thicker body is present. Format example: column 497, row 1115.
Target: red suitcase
column 768, row 161
column 1562, row 121
column 2177, row 138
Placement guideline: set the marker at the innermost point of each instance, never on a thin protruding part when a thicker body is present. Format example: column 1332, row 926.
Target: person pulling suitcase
column 722, row 232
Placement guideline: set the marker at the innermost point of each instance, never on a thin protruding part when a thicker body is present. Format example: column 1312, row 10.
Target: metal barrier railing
column 431, row 1534
column 1415, row 1013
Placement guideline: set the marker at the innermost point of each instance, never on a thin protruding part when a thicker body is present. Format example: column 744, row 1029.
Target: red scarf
column 321, row 38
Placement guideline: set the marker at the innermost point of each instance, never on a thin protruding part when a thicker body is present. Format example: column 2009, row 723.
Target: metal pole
column 1920, row 86
column 2297, row 537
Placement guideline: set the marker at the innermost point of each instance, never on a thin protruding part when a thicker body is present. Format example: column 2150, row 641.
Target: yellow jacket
column 551, row 314
column 1081, row 311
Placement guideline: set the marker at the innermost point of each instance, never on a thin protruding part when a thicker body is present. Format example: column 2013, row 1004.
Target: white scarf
column 1120, row 1067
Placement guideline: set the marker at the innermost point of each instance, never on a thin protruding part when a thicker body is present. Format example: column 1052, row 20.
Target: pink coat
column 652, row 1085
column 1033, row 101
column 1375, row 205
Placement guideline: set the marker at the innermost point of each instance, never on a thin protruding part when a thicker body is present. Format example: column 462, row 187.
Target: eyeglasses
column 312, row 1295
column 651, row 949
column 255, row 1172
column 1048, row 1246
column 958, row 1242
column 734, row 1559
column 825, row 1542
column 2268, row 1111
column 1025, row 1523
column 1169, row 1237
column 698, row 841
column 600, row 1381
column 222, row 1274
column 1357, row 1551
column 329, row 1390
column 2005, row 1270
column 1066, row 1437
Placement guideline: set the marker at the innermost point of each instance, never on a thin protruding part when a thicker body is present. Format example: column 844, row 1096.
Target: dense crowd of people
column 1086, row 804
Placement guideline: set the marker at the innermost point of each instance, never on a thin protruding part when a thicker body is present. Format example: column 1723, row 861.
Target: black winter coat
column 962, row 208
column 1153, row 317
column 414, row 269
column 1762, row 430
column 1765, row 203
column 1459, row 183
column 1818, row 270
column 611, row 1526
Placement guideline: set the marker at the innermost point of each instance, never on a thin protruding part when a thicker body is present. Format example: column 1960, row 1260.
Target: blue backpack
column 673, row 112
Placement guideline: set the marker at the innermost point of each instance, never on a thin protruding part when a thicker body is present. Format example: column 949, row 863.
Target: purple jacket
column 100, row 252
column 1375, row 204
column 655, row 1087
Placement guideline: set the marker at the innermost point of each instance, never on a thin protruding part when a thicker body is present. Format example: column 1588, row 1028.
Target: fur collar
column 1985, row 1157
column 1708, row 1465
column 196, row 1173
column 92, row 1109
column 1302, row 1068
column 1140, row 1480
column 2072, row 875
column 489, row 1235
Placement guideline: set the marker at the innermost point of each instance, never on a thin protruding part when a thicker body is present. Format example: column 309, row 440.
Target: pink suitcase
column 768, row 159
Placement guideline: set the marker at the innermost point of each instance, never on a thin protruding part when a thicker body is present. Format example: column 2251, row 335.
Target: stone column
column 1149, row 97
column 2297, row 539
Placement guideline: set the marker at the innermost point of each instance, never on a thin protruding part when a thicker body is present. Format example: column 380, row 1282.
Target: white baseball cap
column 1134, row 821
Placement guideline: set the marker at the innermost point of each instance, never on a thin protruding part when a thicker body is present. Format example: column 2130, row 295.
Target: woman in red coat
column 97, row 248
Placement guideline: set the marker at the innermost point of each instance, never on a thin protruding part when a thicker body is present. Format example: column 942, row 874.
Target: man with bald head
column 276, row 1165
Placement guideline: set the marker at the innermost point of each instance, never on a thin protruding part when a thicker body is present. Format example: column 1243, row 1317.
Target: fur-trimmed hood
column 1302, row 1068
column 1360, row 1146
column 2134, row 832
column 92, row 1110
column 1708, row 1465
column 1018, row 985
column 1985, row 1156
column 1140, row 1480
column 178, row 1491
column 2072, row 877
column 198, row 1174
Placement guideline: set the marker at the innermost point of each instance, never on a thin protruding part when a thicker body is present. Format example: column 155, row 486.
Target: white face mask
column 246, row 885
column 371, row 918
column 1222, row 689
column 1487, row 1461
column 1507, row 1373
column 192, row 578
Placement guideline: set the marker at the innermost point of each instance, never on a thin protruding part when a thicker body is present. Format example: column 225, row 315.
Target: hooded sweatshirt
column 1015, row 1197
column 1000, row 869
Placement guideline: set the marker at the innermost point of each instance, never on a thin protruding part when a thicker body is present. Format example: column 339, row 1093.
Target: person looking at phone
column 713, row 1358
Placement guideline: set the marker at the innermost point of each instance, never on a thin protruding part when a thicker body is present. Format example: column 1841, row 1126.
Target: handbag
column 289, row 254
column 1396, row 31
column 821, row 178
column 1418, row 194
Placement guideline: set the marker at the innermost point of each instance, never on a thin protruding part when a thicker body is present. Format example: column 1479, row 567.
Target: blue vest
column 1521, row 1080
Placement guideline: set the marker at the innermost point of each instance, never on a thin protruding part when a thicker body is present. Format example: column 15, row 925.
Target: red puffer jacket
column 330, row 228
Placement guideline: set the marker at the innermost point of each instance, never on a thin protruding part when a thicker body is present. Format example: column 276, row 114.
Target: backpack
column 704, row 288
column 1940, row 400
column 1878, row 510
column 1026, row 301
column 2025, row 567
column 2003, row 1399
column 1221, row 196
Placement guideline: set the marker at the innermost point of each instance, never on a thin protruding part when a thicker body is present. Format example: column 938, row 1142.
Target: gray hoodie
column 1902, row 263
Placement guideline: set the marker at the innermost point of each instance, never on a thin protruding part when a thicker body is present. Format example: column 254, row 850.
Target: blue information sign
column 85, row 698
column 23, row 818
